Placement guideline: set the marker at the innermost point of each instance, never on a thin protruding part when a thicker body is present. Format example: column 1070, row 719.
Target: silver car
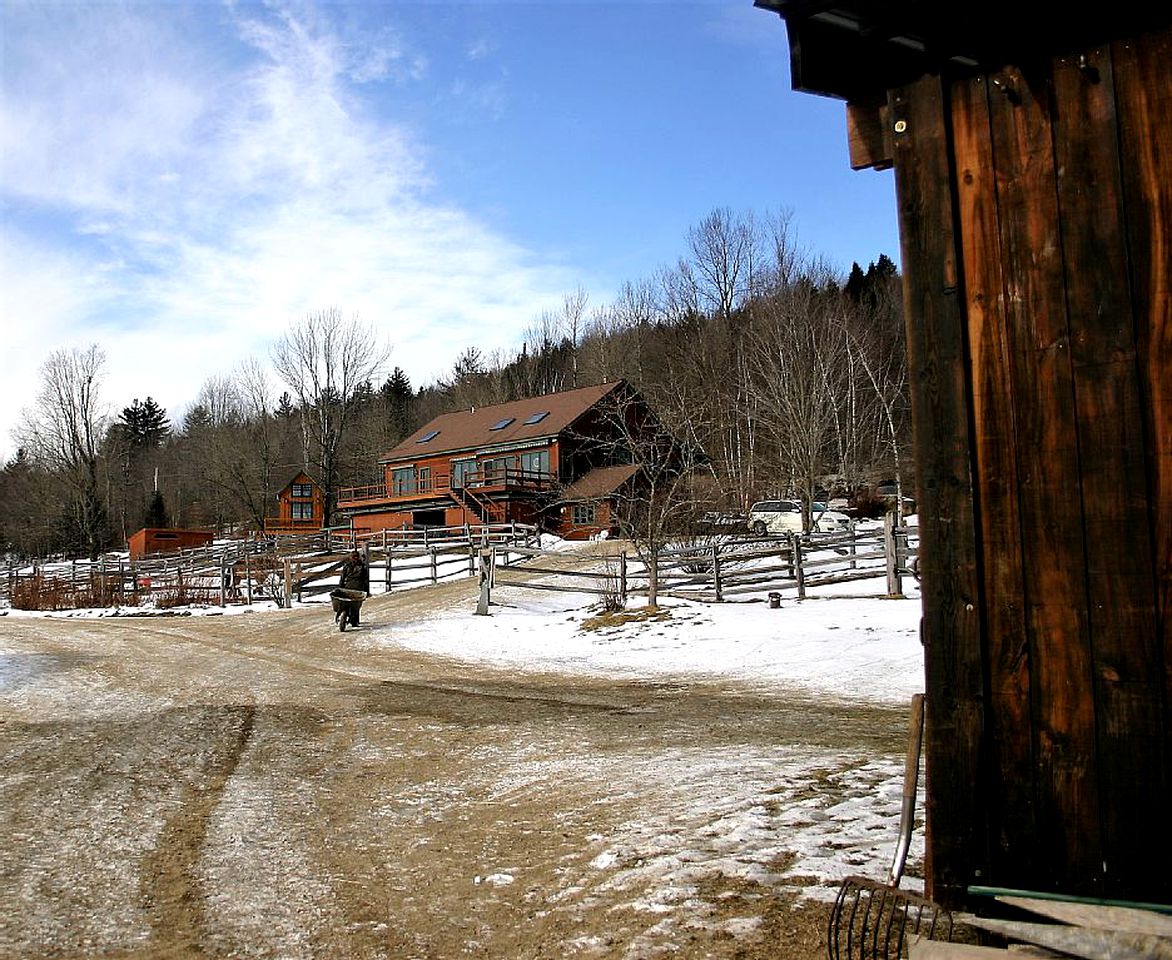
column 785, row 516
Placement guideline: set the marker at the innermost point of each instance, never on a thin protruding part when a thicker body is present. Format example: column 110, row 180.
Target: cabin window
column 502, row 423
column 536, row 418
column 584, row 513
column 535, row 461
column 430, row 435
column 302, row 511
column 402, row 480
column 423, row 480
column 303, row 489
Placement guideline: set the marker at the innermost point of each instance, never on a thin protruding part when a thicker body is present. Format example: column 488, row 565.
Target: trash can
column 774, row 600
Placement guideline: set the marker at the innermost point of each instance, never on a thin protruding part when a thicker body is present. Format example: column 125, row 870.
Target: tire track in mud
column 170, row 888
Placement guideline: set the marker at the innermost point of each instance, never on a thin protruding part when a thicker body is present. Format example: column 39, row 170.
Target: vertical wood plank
column 956, row 808
column 1143, row 95
column 1068, row 841
column 1129, row 715
column 1011, row 799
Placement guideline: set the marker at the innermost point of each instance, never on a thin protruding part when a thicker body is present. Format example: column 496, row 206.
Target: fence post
column 223, row 580
column 852, row 525
column 247, row 578
column 486, row 558
column 716, row 572
column 288, row 598
column 434, row 570
column 795, row 546
column 623, row 578
column 894, row 587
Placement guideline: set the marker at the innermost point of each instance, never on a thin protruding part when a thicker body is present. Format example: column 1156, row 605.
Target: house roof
column 300, row 472
column 599, row 482
column 473, row 429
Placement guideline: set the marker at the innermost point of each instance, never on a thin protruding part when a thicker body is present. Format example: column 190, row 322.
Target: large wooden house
column 554, row 460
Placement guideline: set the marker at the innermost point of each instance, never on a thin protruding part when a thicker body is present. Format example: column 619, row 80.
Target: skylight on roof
column 430, row 435
column 536, row 418
column 501, row 424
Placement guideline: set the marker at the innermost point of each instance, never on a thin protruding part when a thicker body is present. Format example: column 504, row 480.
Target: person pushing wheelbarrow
column 353, row 588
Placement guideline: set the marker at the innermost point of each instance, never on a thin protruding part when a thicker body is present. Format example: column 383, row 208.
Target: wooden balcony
column 439, row 486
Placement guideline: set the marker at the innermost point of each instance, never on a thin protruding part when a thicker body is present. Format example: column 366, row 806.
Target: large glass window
column 496, row 469
column 584, row 513
column 460, row 471
column 302, row 511
column 303, row 489
column 535, row 461
column 402, row 480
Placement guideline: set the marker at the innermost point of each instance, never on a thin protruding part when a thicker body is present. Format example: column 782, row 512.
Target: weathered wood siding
column 1036, row 214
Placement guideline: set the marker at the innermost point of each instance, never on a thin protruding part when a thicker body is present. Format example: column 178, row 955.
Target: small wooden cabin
column 150, row 540
column 545, row 460
column 1032, row 149
column 300, row 506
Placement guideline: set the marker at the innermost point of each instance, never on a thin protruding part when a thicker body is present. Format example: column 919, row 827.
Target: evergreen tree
column 144, row 425
column 285, row 408
column 156, row 515
column 397, row 396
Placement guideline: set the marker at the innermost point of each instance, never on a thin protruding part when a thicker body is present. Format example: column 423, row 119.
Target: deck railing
column 440, row 484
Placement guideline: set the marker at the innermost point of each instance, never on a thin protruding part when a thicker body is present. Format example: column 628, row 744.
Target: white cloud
column 181, row 201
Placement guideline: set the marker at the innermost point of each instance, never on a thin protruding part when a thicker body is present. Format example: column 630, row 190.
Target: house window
column 501, row 424
column 303, row 489
column 536, row 418
column 535, row 461
column 402, row 480
column 584, row 514
column 424, row 480
column 302, row 511
column 460, row 471
column 496, row 470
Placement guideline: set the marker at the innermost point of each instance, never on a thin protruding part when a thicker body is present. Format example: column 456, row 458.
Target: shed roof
column 859, row 48
column 600, row 482
column 514, row 422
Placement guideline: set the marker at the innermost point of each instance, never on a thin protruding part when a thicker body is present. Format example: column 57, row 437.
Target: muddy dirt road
column 263, row 786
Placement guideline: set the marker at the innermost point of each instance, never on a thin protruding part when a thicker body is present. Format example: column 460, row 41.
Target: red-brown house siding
column 150, row 540
column 285, row 521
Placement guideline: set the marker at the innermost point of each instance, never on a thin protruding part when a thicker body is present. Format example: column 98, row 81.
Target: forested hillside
column 792, row 380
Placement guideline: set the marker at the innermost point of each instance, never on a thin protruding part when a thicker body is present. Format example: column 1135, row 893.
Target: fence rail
column 256, row 568
column 721, row 568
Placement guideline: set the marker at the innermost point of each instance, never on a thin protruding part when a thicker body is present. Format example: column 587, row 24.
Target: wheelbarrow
column 346, row 604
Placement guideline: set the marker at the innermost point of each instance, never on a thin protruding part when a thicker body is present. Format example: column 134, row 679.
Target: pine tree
column 144, row 425
column 156, row 515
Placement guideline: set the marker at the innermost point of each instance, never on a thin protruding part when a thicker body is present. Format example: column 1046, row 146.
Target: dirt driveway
column 262, row 786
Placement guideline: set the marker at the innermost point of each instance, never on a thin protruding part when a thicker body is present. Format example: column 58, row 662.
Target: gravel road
column 260, row 785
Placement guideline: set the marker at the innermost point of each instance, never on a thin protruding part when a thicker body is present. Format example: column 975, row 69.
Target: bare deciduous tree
column 64, row 431
column 325, row 360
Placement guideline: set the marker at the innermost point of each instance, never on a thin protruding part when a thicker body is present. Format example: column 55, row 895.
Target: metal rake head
column 871, row 920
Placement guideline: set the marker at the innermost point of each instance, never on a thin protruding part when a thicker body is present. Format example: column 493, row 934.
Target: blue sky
column 178, row 182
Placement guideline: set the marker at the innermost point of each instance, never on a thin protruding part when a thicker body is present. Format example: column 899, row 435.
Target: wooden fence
column 721, row 568
column 256, row 568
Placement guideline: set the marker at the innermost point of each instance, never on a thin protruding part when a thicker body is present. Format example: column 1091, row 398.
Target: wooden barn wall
column 1036, row 214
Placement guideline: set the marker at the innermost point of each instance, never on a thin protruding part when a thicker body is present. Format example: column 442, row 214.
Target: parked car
column 785, row 516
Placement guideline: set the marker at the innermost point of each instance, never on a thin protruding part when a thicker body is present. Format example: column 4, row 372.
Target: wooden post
column 853, row 527
column 716, row 572
column 288, row 598
column 486, row 558
column 434, row 568
column 795, row 546
column 223, row 580
column 623, row 578
column 247, row 577
column 894, row 585
column 298, row 579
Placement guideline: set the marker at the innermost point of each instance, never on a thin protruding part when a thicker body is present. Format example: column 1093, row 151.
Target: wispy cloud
column 180, row 183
